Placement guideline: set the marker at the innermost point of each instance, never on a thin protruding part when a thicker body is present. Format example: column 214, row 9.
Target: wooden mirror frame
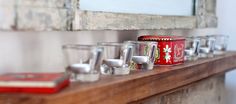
column 65, row 15
column 205, row 17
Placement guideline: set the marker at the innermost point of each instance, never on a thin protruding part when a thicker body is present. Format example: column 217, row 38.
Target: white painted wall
column 227, row 14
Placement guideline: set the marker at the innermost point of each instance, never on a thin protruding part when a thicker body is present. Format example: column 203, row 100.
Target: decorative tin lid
column 160, row 38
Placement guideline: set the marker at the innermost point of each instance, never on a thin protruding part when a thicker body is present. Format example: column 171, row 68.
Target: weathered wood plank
column 90, row 20
column 206, row 13
column 7, row 3
column 40, row 3
column 7, row 18
column 206, row 91
column 35, row 19
column 40, row 19
column 138, row 85
column 44, row 3
column 37, row 15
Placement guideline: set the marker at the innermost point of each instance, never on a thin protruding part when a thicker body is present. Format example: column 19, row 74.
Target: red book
column 33, row 82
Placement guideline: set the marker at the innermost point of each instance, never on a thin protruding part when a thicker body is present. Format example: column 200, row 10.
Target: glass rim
column 79, row 46
column 192, row 37
column 205, row 37
column 218, row 35
column 200, row 37
column 212, row 36
column 110, row 44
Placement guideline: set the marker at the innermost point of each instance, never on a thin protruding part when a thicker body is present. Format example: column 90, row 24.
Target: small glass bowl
column 83, row 62
column 144, row 54
column 207, row 44
column 192, row 48
column 221, row 44
column 117, row 57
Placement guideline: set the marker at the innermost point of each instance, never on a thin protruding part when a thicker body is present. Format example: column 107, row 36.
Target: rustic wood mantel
column 138, row 85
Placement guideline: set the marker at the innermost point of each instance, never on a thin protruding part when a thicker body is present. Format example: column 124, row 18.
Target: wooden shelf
column 138, row 85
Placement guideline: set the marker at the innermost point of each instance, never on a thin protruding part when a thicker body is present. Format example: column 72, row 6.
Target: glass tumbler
column 117, row 57
column 144, row 54
column 192, row 47
column 83, row 62
column 207, row 44
column 220, row 44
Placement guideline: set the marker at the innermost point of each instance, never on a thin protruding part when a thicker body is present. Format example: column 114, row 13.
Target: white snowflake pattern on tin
column 167, row 51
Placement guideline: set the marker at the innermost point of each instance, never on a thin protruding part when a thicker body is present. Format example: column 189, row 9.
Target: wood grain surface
column 210, row 90
column 133, row 87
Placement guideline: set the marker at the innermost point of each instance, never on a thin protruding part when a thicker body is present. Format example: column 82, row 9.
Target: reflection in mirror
column 159, row 7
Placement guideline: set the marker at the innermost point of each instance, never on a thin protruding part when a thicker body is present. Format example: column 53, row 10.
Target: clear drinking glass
column 192, row 47
column 83, row 62
column 221, row 44
column 144, row 54
column 207, row 44
column 117, row 57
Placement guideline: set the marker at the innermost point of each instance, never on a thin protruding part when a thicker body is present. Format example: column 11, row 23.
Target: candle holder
column 220, row 44
column 207, row 44
column 144, row 54
column 117, row 57
column 192, row 48
column 83, row 62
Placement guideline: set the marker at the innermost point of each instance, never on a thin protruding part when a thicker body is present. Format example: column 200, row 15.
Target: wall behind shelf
column 226, row 13
column 41, row 51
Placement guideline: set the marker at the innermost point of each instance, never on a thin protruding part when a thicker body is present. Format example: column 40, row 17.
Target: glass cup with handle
column 192, row 48
column 207, row 44
column 83, row 62
column 117, row 57
column 144, row 54
column 220, row 44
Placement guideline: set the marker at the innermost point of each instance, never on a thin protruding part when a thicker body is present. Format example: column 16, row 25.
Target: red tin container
column 170, row 49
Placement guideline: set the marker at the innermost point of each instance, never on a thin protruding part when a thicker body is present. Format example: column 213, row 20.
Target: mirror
column 157, row 7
